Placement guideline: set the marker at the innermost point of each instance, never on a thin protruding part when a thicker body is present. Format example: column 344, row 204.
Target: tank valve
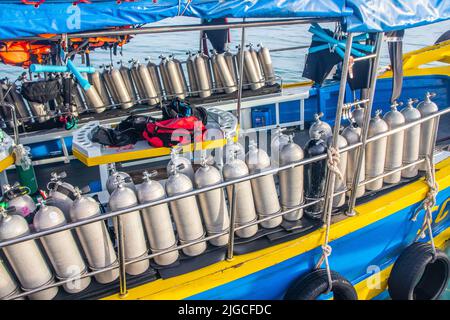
column 148, row 175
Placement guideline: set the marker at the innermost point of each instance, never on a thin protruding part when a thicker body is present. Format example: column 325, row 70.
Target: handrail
column 224, row 184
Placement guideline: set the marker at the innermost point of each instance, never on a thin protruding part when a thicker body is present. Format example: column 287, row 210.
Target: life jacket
column 167, row 133
column 22, row 53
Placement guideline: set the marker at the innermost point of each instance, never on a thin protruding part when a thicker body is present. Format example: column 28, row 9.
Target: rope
column 428, row 204
column 333, row 161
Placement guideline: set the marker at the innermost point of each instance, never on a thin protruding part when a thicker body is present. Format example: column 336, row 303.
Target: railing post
column 360, row 151
column 121, row 258
column 232, row 223
column 241, row 74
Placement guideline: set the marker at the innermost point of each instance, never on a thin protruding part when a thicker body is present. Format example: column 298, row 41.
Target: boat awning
column 19, row 20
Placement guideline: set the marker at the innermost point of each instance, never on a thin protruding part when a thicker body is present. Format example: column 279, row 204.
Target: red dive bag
column 167, row 133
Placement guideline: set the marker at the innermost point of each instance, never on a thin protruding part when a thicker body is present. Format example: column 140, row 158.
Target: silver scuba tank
column 202, row 75
column 340, row 184
column 218, row 84
column 412, row 140
column 176, row 158
column 357, row 115
column 61, row 193
column 426, row 108
column 19, row 199
column 376, row 152
column 212, row 203
column 278, row 141
column 8, row 286
column 185, row 212
column 266, row 63
column 175, row 77
column 244, row 202
column 251, row 71
column 190, row 66
column 61, row 248
column 165, row 77
column 120, row 88
column 320, row 126
column 146, row 81
column 125, row 72
column 352, row 133
column 291, row 180
column 245, row 79
column 257, row 64
column 25, row 258
column 157, row 220
column 153, row 70
column 133, row 231
column 140, row 91
column 97, row 81
column 395, row 143
column 110, row 85
column 231, row 63
column 111, row 182
column 263, row 188
column 225, row 75
column 94, row 238
column 94, row 100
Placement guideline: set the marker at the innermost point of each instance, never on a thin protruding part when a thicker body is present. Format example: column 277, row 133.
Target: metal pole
column 241, row 76
column 121, row 258
column 232, row 224
column 365, row 129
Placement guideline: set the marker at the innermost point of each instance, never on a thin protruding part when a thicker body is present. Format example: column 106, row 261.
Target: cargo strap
column 333, row 161
column 428, row 204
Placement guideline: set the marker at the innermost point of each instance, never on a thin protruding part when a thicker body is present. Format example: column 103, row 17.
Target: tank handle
column 148, row 175
column 174, row 169
column 430, row 95
column 378, row 113
column 206, row 160
column 317, row 116
column 395, row 104
column 253, row 145
column 411, row 101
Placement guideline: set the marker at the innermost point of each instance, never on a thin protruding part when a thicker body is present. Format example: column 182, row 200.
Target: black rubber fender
column 315, row 283
column 415, row 276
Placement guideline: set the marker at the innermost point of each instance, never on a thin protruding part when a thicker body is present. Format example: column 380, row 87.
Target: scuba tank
column 232, row 147
column 133, row 231
column 185, row 212
column 245, row 78
column 111, row 182
column 231, row 63
column 176, row 159
column 175, row 77
column 25, row 258
column 120, row 88
column 394, row 146
column 110, row 85
column 426, row 108
column 244, row 203
column 291, row 180
column 61, row 193
column 61, row 248
column 157, row 220
column 352, row 134
column 190, row 66
column 376, row 152
column 278, row 141
column 8, row 286
column 263, row 188
column 256, row 63
column 266, row 63
column 125, row 72
column 153, row 70
column 165, row 76
column 315, row 174
column 94, row 237
column 202, row 75
column 412, row 140
column 94, row 99
column 252, row 72
column 97, row 81
column 225, row 75
column 218, row 84
column 24, row 168
column 340, row 184
column 135, row 76
column 357, row 115
column 147, row 86
column 19, row 201
column 320, row 126
column 212, row 203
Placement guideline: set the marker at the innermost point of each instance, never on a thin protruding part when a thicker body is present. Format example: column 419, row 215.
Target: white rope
column 333, row 161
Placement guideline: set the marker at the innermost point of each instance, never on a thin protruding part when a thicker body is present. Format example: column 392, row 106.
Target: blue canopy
column 18, row 20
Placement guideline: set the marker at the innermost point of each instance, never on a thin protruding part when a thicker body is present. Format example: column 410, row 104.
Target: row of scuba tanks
column 202, row 77
column 180, row 222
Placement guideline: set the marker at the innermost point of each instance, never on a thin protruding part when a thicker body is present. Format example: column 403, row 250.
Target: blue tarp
column 58, row 16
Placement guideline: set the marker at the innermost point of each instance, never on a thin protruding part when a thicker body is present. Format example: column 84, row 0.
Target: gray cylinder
column 376, row 152
column 157, row 221
column 94, row 100
column 98, row 82
column 193, row 83
column 412, row 140
column 61, row 193
column 165, row 77
column 340, row 184
column 263, row 188
column 125, row 72
column 395, row 143
column 26, row 259
column 426, row 108
column 291, row 180
column 19, row 199
column 133, row 231
column 153, row 70
column 278, row 141
column 111, row 182
column 61, row 248
column 358, row 115
column 202, row 75
column 251, row 71
column 321, row 127
column 8, row 287
column 266, row 63
column 176, row 78
column 177, row 159
column 185, row 213
column 212, row 203
column 231, row 62
column 257, row 64
column 120, row 88
column 244, row 202
column 225, row 74
column 148, row 86
column 218, row 84
column 94, row 238
column 110, row 85
column 352, row 133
